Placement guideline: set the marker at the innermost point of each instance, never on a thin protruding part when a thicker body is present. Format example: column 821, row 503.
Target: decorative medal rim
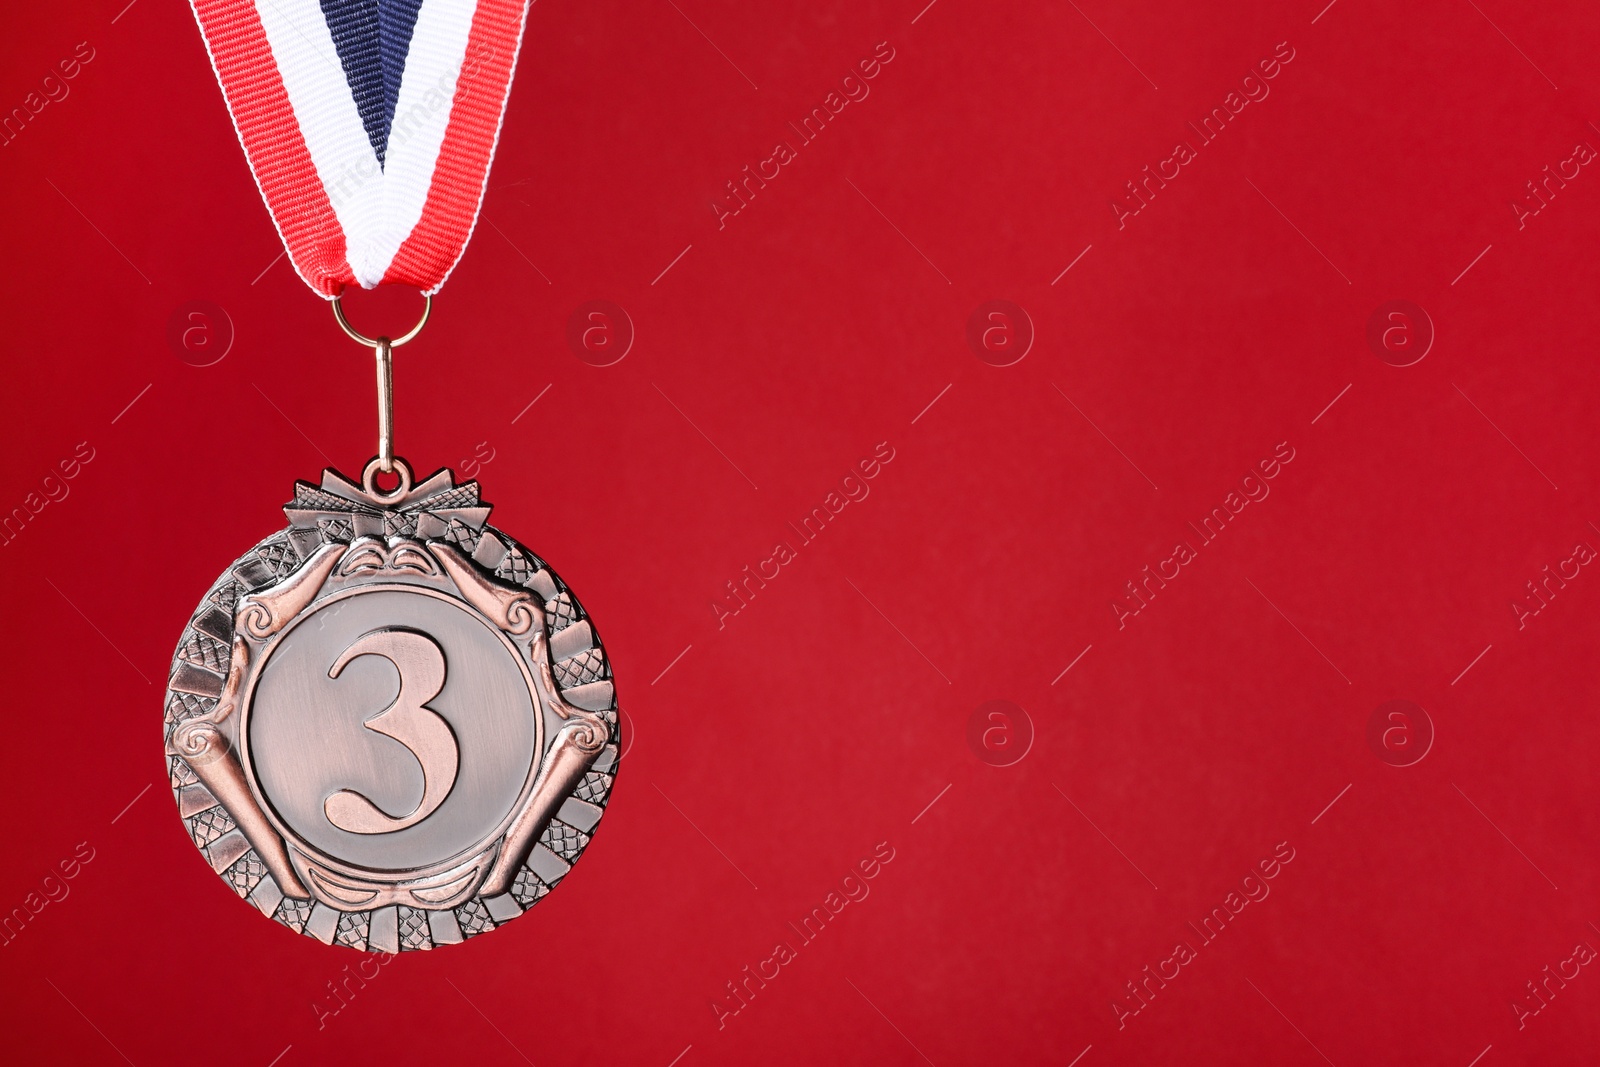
column 443, row 525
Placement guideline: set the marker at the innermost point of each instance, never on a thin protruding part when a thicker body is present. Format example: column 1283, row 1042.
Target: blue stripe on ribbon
column 373, row 38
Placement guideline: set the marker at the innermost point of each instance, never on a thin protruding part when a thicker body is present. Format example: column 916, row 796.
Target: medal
column 389, row 725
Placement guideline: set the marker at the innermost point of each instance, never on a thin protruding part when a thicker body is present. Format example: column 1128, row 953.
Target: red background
column 1222, row 720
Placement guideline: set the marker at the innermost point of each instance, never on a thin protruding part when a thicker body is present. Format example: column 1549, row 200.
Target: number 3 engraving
column 407, row 720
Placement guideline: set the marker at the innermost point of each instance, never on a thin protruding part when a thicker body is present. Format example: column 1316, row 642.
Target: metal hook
column 385, row 353
column 384, row 349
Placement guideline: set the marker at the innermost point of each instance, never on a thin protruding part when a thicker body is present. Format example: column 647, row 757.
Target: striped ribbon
column 369, row 125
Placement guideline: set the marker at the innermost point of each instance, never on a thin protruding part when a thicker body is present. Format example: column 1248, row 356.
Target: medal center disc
column 431, row 734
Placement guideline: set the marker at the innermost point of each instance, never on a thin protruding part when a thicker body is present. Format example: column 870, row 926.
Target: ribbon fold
column 369, row 125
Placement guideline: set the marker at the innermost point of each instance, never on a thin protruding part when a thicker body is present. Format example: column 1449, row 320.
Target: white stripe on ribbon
column 377, row 207
column 421, row 113
column 323, row 106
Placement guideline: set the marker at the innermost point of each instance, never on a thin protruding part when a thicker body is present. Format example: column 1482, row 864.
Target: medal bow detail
column 341, row 510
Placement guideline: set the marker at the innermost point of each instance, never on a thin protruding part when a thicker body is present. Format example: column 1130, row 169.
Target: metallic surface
column 384, row 351
column 419, row 662
column 312, row 737
column 390, row 725
column 372, row 342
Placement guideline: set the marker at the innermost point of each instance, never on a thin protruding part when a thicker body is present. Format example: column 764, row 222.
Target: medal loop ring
column 369, row 479
column 373, row 342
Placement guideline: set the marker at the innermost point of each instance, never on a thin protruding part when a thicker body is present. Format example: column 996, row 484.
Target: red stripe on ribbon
column 435, row 245
column 270, row 133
